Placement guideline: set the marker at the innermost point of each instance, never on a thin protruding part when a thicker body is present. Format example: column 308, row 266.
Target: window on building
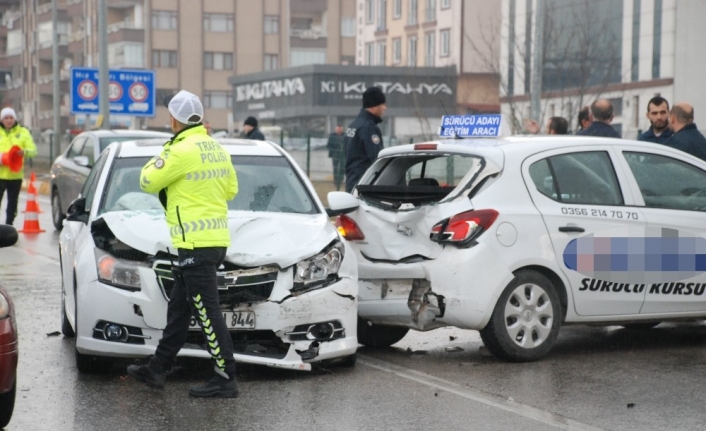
column 382, row 14
column 218, row 60
column 412, row 52
column 617, row 106
column 635, row 59
column 271, row 24
column 396, row 8
column 218, row 22
column 217, row 99
column 382, row 53
column 430, row 11
column 304, row 56
column 370, row 54
column 164, row 95
column 511, row 50
column 369, row 11
column 412, row 16
column 164, row 58
column 164, row 20
column 445, row 48
column 126, row 54
column 347, row 26
column 445, row 4
column 271, row 62
column 657, row 39
column 396, row 50
column 429, row 52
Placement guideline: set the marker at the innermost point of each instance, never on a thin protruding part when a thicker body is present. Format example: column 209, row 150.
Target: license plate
column 233, row 319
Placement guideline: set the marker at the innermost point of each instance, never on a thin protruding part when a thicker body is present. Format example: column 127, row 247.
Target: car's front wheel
column 526, row 319
column 57, row 216
column 7, row 405
column 372, row 335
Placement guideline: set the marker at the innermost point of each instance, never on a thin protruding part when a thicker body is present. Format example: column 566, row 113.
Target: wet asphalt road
column 594, row 378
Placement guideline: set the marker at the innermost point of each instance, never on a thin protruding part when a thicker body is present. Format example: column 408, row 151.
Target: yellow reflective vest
column 196, row 176
column 21, row 137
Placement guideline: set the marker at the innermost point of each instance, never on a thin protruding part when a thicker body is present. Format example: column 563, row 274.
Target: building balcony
column 126, row 34
column 297, row 7
column 308, row 33
column 46, row 51
column 49, row 113
column 47, row 87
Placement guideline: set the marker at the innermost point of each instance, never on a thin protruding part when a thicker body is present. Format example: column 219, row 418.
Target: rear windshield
column 417, row 178
column 267, row 184
column 104, row 142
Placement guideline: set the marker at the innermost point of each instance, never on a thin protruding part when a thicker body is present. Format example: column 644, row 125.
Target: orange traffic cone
column 31, row 212
column 32, row 190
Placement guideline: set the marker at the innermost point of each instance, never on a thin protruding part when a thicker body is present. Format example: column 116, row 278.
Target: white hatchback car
column 515, row 236
column 288, row 286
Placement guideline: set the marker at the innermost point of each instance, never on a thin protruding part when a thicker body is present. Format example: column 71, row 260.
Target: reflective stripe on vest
column 199, row 225
column 207, row 175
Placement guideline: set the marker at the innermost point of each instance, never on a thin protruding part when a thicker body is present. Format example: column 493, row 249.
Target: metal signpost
column 131, row 92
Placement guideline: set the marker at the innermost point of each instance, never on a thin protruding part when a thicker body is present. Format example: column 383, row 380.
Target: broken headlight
column 121, row 273
column 320, row 270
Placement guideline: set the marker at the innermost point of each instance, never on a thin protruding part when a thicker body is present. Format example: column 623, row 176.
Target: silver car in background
column 70, row 169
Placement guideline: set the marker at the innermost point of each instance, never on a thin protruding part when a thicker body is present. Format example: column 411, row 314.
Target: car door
column 71, row 174
column 672, row 188
column 578, row 192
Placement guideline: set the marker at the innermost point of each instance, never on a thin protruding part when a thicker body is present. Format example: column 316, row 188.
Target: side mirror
column 8, row 235
column 81, row 161
column 341, row 203
column 77, row 211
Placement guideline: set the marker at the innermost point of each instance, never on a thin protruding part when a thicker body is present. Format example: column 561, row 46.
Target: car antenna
column 447, row 113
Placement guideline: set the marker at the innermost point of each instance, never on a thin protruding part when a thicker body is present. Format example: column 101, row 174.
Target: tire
column 640, row 326
column 57, row 216
column 372, row 335
column 7, row 404
column 531, row 327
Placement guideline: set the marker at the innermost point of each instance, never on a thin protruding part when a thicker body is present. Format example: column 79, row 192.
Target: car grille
column 234, row 287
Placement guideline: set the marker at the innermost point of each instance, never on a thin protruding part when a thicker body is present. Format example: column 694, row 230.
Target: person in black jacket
column 251, row 131
column 363, row 136
column 602, row 112
column 658, row 114
column 686, row 135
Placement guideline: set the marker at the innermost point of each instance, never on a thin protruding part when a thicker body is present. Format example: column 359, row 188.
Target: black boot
column 152, row 374
column 217, row 387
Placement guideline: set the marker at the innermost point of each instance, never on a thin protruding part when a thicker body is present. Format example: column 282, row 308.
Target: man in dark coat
column 686, row 135
column 363, row 137
column 602, row 112
column 251, row 131
column 658, row 114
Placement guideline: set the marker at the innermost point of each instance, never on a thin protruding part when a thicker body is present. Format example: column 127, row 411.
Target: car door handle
column 571, row 229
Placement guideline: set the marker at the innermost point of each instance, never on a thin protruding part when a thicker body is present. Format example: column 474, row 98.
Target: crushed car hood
column 257, row 238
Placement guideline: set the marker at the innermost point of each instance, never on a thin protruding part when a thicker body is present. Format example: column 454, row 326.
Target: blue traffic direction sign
column 130, row 92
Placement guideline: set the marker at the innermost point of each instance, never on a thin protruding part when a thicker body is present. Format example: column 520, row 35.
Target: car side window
column 89, row 150
column 578, row 178
column 89, row 187
column 668, row 183
column 76, row 147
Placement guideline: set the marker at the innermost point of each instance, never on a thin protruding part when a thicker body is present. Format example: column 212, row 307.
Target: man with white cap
column 13, row 135
column 196, row 204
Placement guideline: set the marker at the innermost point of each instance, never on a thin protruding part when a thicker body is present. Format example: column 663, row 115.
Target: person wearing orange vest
column 12, row 134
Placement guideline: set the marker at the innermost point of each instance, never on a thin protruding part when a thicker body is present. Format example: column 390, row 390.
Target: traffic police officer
column 195, row 178
column 363, row 137
column 13, row 134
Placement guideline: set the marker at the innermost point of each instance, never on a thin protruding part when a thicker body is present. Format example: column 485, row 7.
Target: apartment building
column 627, row 51
column 192, row 45
column 436, row 33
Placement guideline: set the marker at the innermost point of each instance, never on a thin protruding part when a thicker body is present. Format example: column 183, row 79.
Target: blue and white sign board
column 470, row 126
column 130, row 92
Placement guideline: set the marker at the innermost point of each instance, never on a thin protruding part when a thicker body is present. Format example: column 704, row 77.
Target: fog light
column 322, row 331
column 113, row 332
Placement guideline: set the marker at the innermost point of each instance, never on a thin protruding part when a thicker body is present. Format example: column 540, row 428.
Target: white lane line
column 477, row 396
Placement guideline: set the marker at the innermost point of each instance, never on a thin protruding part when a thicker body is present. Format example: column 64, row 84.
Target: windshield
column 104, row 142
column 267, row 184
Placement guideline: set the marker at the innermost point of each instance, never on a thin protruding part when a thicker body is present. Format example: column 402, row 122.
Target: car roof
column 124, row 132
column 240, row 147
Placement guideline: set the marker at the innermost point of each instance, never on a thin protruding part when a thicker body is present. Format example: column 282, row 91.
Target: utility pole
column 103, row 83
column 537, row 63
column 55, row 147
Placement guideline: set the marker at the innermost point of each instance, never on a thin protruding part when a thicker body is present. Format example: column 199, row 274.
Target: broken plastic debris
column 631, row 405
column 454, row 349
column 452, row 337
column 53, row 334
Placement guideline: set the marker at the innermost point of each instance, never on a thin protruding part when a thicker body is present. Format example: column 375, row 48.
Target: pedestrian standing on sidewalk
column 602, row 113
column 13, row 134
column 658, row 114
column 197, row 216
column 686, row 135
column 251, row 131
column 335, row 145
column 363, row 137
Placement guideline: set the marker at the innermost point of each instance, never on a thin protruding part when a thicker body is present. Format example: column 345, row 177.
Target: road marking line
column 477, row 396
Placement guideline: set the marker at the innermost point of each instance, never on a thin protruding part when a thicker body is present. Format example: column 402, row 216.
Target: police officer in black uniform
column 363, row 137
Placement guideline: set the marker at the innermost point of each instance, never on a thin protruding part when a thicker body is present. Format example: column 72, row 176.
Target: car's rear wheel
column 640, row 326
column 7, row 404
column 57, row 216
column 372, row 335
column 526, row 319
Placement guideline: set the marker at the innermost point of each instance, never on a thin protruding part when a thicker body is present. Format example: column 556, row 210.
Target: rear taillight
column 348, row 228
column 462, row 229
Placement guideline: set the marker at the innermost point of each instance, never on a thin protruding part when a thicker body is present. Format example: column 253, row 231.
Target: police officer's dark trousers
column 13, row 188
column 196, row 288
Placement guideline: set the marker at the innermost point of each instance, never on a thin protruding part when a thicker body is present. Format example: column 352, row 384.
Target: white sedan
column 287, row 289
column 516, row 236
